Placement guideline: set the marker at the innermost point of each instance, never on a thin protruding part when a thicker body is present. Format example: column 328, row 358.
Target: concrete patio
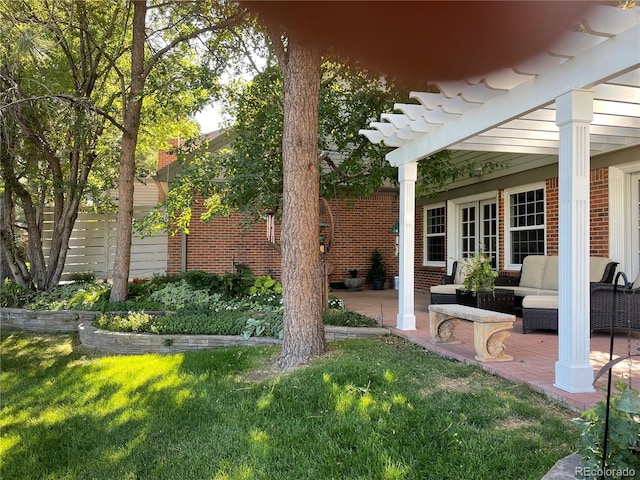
column 534, row 354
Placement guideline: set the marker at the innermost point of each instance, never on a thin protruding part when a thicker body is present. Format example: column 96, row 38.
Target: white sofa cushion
column 540, row 301
column 636, row 284
column 461, row 271
column 449, row 289
column 524, row 291
column 550, row 275
column 533, row 271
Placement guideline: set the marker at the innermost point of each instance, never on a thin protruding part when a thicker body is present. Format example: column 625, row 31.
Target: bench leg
column 441, row 327
column 489, row 341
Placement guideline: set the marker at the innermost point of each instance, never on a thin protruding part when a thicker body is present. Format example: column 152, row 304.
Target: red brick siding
column 551, row 214
column 360, row 226
column 599, row 199
column 599, row 219
column 165, row 158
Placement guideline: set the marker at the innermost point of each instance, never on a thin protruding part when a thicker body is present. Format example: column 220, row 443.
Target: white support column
column 407, row 175
column 574, row 113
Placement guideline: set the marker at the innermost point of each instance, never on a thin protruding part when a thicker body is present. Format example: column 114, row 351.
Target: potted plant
column 479, row 276
column 377, row 272
column 352, row 282
column 479, row 286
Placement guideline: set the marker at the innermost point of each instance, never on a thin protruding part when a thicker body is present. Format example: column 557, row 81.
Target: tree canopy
column 65, row 73
column 247, row 175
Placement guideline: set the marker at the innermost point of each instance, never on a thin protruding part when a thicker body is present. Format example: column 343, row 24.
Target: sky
column 209, row 119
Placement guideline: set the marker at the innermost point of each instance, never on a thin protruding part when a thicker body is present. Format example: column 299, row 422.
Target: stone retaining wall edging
column 139, row 343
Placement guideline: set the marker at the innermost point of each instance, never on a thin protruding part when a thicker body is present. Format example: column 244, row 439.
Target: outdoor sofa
column 621, row 308
column 538, row 276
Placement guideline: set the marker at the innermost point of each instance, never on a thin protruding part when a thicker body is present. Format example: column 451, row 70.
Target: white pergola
column 580, row 98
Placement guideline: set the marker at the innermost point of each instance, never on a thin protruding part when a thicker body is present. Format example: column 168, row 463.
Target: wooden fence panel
column 92, row 247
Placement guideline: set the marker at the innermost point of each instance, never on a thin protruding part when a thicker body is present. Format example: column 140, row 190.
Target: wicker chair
column 627, row 306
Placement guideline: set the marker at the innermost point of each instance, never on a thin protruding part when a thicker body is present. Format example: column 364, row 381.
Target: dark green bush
column 128, row 305
column 83, row 277
column 220, row 323
column 346, row 318
column 192, row 323
column 268, row 324
column 14, row 296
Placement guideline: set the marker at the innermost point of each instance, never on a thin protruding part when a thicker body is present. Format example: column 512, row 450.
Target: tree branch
column 233, row 20
column 71, row 99
column 275, row 36
column 324, row 157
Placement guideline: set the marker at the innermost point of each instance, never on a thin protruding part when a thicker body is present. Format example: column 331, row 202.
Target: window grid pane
column 490, row 232
column 435, row 234
column 527, row 224
column 468, row 231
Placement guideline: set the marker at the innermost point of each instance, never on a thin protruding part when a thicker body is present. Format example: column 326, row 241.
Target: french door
column 479, row 228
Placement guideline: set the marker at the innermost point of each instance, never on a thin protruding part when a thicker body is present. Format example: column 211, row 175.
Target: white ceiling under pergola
column 512, row 111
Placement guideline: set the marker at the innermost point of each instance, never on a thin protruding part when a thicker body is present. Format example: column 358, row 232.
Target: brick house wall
column 360, row 225
column 599, row 207
column 167, row 157
column 599, row 224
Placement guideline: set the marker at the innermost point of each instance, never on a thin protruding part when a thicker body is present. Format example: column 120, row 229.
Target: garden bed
column 139, row 343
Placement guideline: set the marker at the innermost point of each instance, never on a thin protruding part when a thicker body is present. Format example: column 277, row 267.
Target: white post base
column 406, row 322
column 574, row 378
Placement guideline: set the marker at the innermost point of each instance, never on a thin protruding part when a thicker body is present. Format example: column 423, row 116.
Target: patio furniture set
column 535, row 293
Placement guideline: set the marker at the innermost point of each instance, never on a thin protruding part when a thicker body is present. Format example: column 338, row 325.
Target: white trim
column 634, row 214
column 506, row 223
column 582, row 71
column 433, row 206
column 407, row 176
column 453, row 222
column 624, row 231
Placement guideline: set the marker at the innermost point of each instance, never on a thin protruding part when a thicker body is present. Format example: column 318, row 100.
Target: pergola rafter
column 579, row 99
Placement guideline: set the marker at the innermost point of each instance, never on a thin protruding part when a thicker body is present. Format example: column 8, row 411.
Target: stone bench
column 490, row 329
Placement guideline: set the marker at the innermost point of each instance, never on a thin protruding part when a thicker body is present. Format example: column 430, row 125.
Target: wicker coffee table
column 500, row 300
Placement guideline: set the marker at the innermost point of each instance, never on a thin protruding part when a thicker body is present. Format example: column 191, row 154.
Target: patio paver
column 534, row 354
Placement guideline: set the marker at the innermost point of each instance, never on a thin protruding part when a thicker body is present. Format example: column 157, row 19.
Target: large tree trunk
column 126, row 178
column 301, row 276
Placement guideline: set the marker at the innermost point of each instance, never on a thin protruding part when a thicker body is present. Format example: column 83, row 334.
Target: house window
column 526, row 227
column 435, row 224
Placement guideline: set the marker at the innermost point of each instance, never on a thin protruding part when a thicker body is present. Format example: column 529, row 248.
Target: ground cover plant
column 374, row 409
column 196, row 302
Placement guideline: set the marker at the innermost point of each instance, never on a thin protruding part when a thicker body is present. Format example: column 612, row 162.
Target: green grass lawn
column 374, row 409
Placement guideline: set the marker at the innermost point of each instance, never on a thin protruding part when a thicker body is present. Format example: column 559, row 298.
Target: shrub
column 83, row 277
column 236, row 285
column 346, row 318
column 623, row 443
column 132, row 322
column 13, row 296
column 267, row 325
column 181, row 294
column 222, row 323
column 201, row 280
column 265, row 284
